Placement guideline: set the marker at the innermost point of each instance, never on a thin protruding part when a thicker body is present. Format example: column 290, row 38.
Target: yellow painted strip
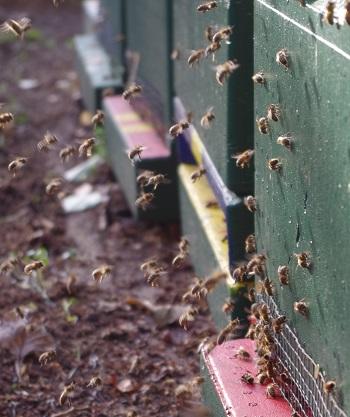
column 196, row 146
column 129, row 116
column 212, row 220
column 137, row 128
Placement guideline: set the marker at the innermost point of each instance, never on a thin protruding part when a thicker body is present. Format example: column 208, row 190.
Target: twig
column 70, row 410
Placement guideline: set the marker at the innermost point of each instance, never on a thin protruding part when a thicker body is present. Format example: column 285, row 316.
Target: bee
column 228, row 307
column 224, row 70
column 241, row 353
column 142, row 179
column 251, row 332
column 251, row 295
column 47, row 357
column 329, row 386
column 136, row 151
column 226, row 331
column 256, row 265
column 278, row 322
column 187, row 317
column 240, row 273
column 132, row 91
column 267, row 287
column 301, row 307
column 274, row 164
column 205, row 7
column 98, row 118
column 102, row 272
column 243, row 159
column 8, row 266
column 286, row 141
column 347, row 12
column 328, row 16
column 67, row 152
column 211, row 282
column 6, row 118
column 262, row 378
column 250, row 244
column 175, row 54
column 282, row 58
column 154, row 276
column 198, row 174
column 184, row 245
column 223, row 34
column 156, row 180
column 283, row 274
column 247, row 378
column 303, row 260
column 250, row 203
column 67, row 394
column 144, row 201
column 17, row 27
column 33, row 266
column 46, row 143
column 211, row 204
column 209, row 33
column 86, row 147
column 179, row 260
column 178, row 128
column 16, row 165
column 208, row 118
column 274, row 112
column 54, row 186
column 273, row 391
column 94, row 382
column 263, row 125
column 195, row 57
column 264, row 312
column 149, row 265
column 212, row 48
column 259, row 78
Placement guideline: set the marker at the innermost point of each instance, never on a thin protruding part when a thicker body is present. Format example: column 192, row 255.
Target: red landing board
column 238, row 398
column 134, row 130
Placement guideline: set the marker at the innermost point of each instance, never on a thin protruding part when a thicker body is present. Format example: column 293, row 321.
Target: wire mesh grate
column 304, row 391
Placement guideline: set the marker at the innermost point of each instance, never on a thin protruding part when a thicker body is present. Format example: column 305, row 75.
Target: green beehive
column 305, row 206
column 198, row 90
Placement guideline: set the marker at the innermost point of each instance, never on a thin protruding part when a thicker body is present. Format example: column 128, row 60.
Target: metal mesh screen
column 305, row 390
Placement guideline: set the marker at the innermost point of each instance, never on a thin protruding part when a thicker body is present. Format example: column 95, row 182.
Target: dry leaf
column 127, row 385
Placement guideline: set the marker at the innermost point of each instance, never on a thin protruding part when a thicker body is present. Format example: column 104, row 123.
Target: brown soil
column 103, row 333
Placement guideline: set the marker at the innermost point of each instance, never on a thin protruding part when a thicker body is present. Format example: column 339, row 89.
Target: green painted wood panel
column 149, row 33
column 232, row 131
column 306, row 206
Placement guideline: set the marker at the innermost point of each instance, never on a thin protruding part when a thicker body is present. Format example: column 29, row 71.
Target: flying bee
column 303, row 260
column 6, row 118
column 347, row 12
column 16, row 165
column 46, row 143
column 179, row 260
column 250, row 244
column 98, row 118
column 267, row 287
column 67, row 394
column 247, row 378
column 178, row 128
column 286, row 141
column 329, row 386
column 274, row 112
column 198, row 174
column 144, row 201
column 205, row 7
column 227, row 331
column 149, row 265
column 8, row 266
column 224, row 70
column 187, row 317
column 195, row 57
column 250, row 203
column 251, row 295
column 94, row 382
column 240, row 273
column 273, row 391
column 282, row 58
column 328, row 16
column 259, row 78
column 54, row 186
column 211, row 204
column 132, row 91
column 142, row 179
column 223, row 34
column 301, row 307
column 67, row 152
column 283, row 274
column 156, row 180
column 208, row 118
column 263, row 125
column 136, row 151
column 175, row 54
column 278, row 323
column 209, row 33
column 184, row 245
column 102, row 272
column 212, row 48
column 47, row 357
column 243, row 159
column 212, row 281
column 243, row 354
column 33, row 266
column 228, row 307
column 17, row 27
column 154, row 277
column 86, row 147
column 274, row 164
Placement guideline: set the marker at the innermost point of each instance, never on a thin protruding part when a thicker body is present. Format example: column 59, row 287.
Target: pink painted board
column 238, row 398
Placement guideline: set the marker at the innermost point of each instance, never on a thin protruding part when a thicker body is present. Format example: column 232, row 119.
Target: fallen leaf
column 127, row 385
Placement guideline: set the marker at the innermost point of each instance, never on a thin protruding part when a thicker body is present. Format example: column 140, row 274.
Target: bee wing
column 25, row 23
column 6, row 28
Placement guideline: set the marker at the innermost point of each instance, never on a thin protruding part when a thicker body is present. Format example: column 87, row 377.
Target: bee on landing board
column 198, row 174
column 259, row 78
column 286, row 141
column 282, row 58
column 250, row 203
column 263, row 125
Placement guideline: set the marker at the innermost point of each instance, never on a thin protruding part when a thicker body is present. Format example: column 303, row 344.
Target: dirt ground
column 105, row 330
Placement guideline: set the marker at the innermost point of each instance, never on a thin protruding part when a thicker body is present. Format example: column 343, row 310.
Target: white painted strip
column 305, row 29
